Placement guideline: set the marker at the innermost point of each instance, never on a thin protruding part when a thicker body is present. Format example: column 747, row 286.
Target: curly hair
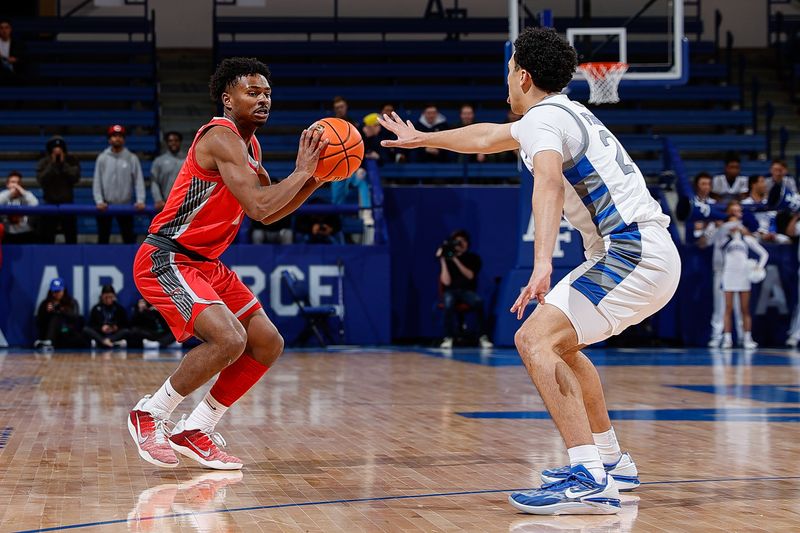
column 230, row 70
column 549, row 59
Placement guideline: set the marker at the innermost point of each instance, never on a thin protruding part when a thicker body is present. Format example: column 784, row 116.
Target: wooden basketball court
column 361, row 440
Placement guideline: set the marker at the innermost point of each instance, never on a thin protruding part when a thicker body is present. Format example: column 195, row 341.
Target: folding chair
column 316, row 317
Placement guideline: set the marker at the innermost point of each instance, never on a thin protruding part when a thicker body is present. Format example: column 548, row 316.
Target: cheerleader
column 732, row 241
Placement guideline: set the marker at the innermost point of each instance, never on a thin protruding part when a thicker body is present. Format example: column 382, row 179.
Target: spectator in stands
column 732, row 242
column 165, row 169
column 778, row 176
column 18, row 227
column 148, row 327
column 108, row 321
column 58, row 319
column 696, row 226
column 11, row 53
column 397, row 155
column 387, row 109
column 116, row 172
column 467, row 117
column 757, row 203
column 458, row 277
column 431, row 120
column 340, row 110
column 319, row 228
column 372, row 135
column 279, row 232
column 730, row 185
column 57, row 174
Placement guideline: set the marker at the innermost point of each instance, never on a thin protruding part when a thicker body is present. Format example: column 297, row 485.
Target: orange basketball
column 344, row 153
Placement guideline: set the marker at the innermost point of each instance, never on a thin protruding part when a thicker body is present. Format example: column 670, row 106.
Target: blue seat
column 77, row 118
column 48, row 50
column 316, row 317
column 75, row 143
column 674, row 117
column 92, row 93
column 28, row 167
column 77, row 24
column 90, row 70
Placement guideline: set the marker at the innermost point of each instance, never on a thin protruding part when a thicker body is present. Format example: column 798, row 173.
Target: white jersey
column 733, row 249
column 605, row 192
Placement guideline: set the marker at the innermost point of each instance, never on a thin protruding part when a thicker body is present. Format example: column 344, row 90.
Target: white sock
column 206, row 415
column 748, row 336
column 588, row 456
column 608, row 446
column 727, row 337
column 164, row 401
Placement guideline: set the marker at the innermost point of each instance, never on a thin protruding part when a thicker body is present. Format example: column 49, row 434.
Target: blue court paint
column 761, row 393
column 627, row 357
column 744, row 414
column 383, row 498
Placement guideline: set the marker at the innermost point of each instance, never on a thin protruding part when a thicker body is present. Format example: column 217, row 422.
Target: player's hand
column 407, row 134
column 102, row 206
column 309, row 150
column 537, row 288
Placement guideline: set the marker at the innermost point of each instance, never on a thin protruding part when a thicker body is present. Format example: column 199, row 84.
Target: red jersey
column 200, row 212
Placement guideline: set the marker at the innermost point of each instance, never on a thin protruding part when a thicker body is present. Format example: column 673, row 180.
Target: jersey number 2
column 605, row 136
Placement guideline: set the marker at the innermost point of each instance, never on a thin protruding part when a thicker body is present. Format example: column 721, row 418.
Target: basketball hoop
column 603, row 80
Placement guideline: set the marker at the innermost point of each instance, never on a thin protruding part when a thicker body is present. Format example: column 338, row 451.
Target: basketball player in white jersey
column 632, row 267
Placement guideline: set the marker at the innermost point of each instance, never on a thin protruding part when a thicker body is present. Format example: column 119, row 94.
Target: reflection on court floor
column 397, row 439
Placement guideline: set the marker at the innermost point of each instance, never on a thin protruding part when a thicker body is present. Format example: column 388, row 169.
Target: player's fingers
column 303, row 138
column 321, row 146
column 390, row 144
column 410, row 124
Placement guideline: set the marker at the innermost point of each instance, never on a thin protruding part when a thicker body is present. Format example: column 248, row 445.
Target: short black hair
column 700, row 176
column 166, row 135
column 550, row 60
column 753, row 179
column 780, row 162
column 460, row 233
column 230, row 70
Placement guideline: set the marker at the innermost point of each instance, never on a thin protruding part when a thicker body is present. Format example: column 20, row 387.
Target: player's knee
column 536, row 342
column 232, row 344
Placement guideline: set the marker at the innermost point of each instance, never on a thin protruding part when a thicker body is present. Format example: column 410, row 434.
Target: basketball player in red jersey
column 177, row 268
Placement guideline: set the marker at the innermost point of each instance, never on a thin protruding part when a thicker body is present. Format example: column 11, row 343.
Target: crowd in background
column 735, row 215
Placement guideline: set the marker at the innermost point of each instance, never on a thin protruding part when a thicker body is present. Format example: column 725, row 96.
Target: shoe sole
column 144, row 454
column 568, row 507
column 216, row 465
column 623, row 485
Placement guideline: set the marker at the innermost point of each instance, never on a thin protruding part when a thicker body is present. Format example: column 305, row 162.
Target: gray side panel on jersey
column 584, row 145
column 199, row 191
column 170, row 283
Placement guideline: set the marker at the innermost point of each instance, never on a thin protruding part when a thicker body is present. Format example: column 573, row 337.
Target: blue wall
column 27, row 271
column 420, row 218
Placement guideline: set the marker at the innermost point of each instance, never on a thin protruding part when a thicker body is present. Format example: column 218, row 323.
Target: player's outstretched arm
column 230, row 157
column 481, row 138
column 548, row 205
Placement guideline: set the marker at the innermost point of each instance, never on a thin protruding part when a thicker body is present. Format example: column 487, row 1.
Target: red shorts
column 181, row 288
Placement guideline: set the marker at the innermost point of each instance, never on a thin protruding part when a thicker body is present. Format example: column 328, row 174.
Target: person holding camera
column 57, row 173
column 459, row 279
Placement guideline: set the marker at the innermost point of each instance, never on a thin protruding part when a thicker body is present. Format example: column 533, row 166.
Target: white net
column 603, row 80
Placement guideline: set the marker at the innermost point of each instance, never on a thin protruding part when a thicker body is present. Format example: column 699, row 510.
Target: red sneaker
column 203, row 447
column 150, row 434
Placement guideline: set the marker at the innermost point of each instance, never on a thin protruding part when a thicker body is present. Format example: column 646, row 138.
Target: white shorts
column 635, row 277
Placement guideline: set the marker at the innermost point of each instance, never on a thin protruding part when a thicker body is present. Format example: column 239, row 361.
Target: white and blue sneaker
column 579, row 493
column 624, row 473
